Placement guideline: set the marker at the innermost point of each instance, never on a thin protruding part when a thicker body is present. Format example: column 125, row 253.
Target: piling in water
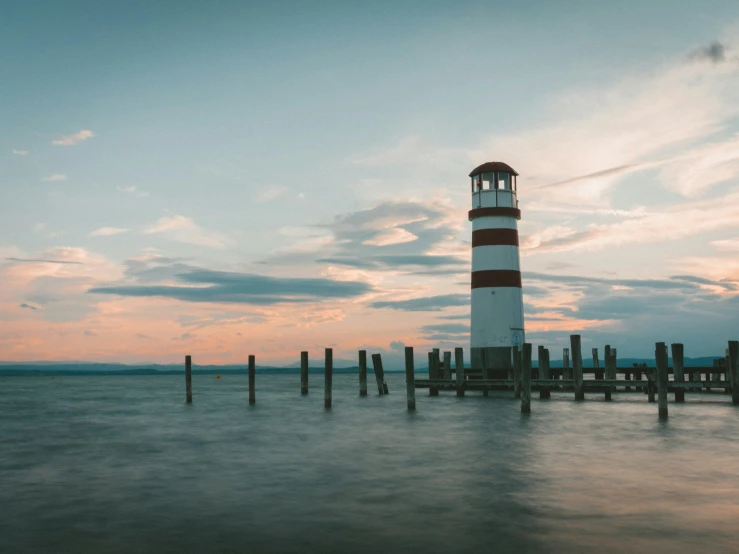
column 734, row 370
column 566, row 372
column 410, row 379
column 609, row 371
column 379, row 374
column 661, row 358
column 484, row 360
column 526, row 379
column 252, row 380
column 188, row 379
column 577, row 367
column 447, row 365
column 459, row 369
column 543, row 391
column 328, row 378
column 433, row 391
column 362, row 373
column 678, row 371
column 303, row 373
column 596, row 365
column 516, row 372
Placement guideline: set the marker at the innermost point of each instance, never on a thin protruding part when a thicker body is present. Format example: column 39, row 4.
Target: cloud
column 676, row 282
column 89, row 333
column 715, row 52
column 183, row 229
column 448, row 328
column 671, row 223
column 726, row 244
column 74, row 138
column 391, row 236
column 425, row 304
column 271, row 193
column 399, row 235
column 107, row 231
column 242, row 288
column 28, row 306
column 400, row 261
column 19, row 152
column 133, row 190
column 41, row 260
column 56, row 177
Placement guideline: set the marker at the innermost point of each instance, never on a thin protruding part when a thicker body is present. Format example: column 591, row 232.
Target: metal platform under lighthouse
column 497, row 301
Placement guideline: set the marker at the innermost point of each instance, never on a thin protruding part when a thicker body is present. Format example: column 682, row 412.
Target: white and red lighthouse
column 497, row 301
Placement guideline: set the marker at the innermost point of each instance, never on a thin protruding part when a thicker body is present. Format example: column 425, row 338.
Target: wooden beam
column 304, row 373
column 543, row 372
column 362, row 373
column 577, row 366
column 410, row 378
column 188, row 379
column 328, row 375
column 661, row 358
column 526, row 379
column 678, row 371
column 516, row 372
column 432, row 375
column 734, row 370
column 459, row 369
column 252, row 379
column 379, row 373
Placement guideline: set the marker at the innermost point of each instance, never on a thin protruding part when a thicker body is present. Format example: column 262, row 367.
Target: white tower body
column 497, row 301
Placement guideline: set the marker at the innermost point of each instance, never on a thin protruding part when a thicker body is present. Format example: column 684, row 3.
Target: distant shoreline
column 10, row 369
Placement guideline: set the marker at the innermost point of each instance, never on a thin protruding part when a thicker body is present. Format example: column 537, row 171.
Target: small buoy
column 218, row 376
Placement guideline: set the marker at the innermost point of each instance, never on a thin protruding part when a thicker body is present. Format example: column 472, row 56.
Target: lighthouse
column 497, row 302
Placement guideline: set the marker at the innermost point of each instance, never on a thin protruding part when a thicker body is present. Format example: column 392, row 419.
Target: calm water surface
column 122, row 464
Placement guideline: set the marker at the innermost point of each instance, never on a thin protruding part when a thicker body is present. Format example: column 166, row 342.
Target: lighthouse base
column 498, row 360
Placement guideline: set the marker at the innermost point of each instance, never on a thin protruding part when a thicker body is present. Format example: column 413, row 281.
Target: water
column 122, row 464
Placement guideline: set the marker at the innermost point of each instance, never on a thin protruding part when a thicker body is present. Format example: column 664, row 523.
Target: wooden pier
column 443, row 375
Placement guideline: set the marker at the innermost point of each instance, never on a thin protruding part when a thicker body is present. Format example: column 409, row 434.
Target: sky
column 230, row 178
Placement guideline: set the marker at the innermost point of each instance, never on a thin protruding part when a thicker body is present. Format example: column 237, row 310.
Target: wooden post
column 484, row 360
column 734, row 371
column 727, row 372
column 379, row 373
column 252, row 380
column 459, row 368
column 566, row 373
column 543, row 391
column 577, row 367
column 596, row 365
column 607, row 364
column 188, row 379
column 437, row 364
column 661, row 358
column 516, row 372
column 678, row 371
column 410, row 379
column 328, row 377
column 526, row 379
column 651, row 381
column 433, row 391
column 304, row 373
column 447, row 365
column 362, row 373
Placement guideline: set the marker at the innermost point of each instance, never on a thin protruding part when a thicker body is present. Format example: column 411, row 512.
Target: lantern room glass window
column 504, row 180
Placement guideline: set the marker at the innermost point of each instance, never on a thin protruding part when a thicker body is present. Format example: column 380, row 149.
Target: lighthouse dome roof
column 489, row 167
